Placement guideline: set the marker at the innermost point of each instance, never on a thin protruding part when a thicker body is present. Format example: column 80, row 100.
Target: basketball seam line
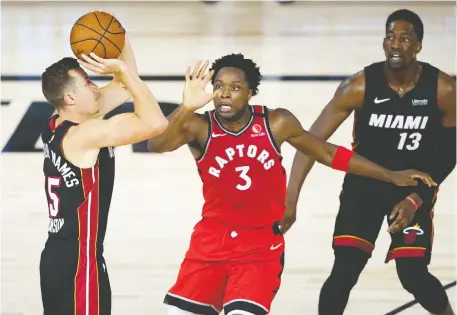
column 90, row 28
column 103, row 36
column 104, row 48
column 83, row 40
column 106, row 30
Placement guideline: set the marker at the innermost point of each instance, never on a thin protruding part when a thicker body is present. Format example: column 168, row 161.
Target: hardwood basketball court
column 157, row 198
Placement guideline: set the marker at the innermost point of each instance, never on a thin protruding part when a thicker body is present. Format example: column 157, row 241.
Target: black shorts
column 360, row 218
column 73, row 282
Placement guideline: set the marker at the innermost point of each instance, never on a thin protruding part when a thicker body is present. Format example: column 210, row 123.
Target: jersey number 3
column 409, row 141
column 53, row 198
column 244, row 176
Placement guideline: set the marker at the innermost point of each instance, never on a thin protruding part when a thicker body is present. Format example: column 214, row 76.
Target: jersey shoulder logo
column 257, row 131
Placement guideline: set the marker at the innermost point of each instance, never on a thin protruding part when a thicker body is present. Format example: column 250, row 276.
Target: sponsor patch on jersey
column 417, row 102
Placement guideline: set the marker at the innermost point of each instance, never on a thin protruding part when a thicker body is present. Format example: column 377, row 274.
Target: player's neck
column 403, row 76
column 238, row 124
column 73, row 117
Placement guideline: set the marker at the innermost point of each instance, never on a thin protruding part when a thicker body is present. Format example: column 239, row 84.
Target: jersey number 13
column 409, row 141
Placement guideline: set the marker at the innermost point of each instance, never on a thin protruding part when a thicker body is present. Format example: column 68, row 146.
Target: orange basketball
column 98, row 32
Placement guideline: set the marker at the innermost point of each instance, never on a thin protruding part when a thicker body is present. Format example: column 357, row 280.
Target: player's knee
column 173, row 310
column 349, row 264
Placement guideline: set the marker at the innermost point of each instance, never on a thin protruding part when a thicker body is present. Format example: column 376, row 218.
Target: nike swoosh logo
column 215, row 135
column 376, row 101
column 275, row 247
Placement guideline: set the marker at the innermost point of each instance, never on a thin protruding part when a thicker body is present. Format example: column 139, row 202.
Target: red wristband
column 415, row 205
column 341, row 159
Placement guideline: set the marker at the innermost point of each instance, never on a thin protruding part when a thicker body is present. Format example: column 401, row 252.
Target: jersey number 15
column 53, row 199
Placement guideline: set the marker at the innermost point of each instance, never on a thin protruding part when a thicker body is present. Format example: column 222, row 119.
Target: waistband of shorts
column 274, row 227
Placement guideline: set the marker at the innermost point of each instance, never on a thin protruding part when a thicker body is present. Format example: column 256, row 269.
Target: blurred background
column 304, row 49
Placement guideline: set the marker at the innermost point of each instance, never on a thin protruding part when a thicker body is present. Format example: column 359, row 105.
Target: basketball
column 98, row 32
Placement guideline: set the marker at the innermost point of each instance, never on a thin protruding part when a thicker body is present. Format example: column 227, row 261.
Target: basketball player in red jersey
column 236, row 254
column 79, row 174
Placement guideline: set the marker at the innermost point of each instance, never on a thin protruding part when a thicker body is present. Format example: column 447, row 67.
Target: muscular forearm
column 301, row 167
column 116, row 93
column 346, row 160
column 340, row 158
column 146, row 106
column 359, row 165
column 174, row 133
column 128, row 56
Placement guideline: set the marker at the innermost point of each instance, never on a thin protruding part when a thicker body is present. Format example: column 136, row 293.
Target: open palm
column 195, row 95
column 101, row 66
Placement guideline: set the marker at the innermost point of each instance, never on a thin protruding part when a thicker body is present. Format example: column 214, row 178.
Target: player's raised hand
column 101, row 66
column 409, row 178
column 195, row 95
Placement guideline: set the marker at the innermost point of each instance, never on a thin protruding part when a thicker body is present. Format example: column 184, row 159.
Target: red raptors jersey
column 244, row 182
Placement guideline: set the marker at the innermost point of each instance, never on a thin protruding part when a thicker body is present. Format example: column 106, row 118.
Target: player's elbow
column 155, row 145
column 328, row 154
column 323, row 157
column 159, row 127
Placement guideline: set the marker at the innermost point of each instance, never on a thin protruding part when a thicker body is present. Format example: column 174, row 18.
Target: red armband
column 414, row 203
column 341, row 159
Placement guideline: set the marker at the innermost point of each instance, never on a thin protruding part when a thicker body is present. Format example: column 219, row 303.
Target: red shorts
column 229, row 268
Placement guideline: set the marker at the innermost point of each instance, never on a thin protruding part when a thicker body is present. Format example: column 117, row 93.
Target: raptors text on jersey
column 244, row 182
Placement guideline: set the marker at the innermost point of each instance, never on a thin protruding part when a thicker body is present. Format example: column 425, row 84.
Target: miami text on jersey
column 398, row 121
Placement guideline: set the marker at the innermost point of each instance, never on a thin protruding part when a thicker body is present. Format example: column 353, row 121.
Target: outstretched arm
column 184, row 122
column 338, row 157
column 145, row 122
column 179, row 132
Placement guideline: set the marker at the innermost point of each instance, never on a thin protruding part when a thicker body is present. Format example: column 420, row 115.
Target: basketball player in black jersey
column 79, row 174
column 404, row 118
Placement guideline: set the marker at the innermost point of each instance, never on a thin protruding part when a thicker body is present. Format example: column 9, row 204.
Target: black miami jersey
column 398, row 133
column 78, row 198
column 393, row 131
column 73, row 273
